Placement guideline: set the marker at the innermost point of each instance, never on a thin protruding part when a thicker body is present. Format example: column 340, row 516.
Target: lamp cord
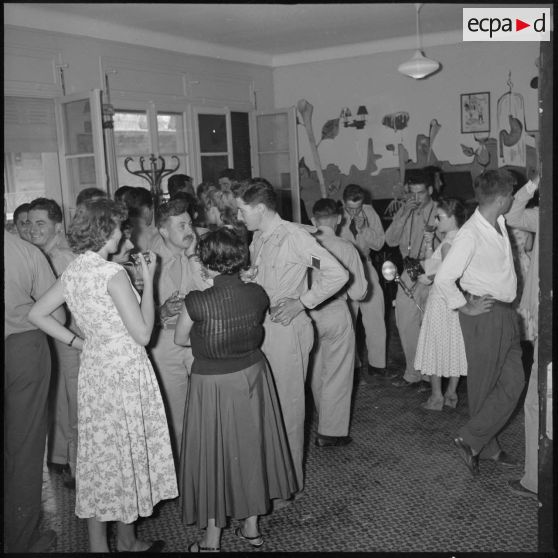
column 418, row 6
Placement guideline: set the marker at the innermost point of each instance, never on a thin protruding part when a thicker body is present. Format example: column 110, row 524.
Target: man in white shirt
column 481, row 258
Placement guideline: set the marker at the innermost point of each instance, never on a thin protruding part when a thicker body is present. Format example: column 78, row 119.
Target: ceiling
column 266, row 29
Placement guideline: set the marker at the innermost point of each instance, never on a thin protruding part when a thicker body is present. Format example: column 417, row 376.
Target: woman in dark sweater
column 235, row 455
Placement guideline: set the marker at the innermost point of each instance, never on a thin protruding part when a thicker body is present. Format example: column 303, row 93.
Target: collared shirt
column 482, row 259
column 407, row 232
column 370, row 237
column 60, row 258
column 283, row 255
column 349, row 256
column 27, row 276
column 180, row 273
column 528, row 220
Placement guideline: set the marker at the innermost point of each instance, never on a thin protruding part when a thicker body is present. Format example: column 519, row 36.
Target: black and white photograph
column 279, row 277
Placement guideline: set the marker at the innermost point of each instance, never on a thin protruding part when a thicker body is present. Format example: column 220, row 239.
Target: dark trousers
column 495, row 377
column 26, row 383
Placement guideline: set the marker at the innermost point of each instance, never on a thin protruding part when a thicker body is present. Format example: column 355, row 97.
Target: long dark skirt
column 235, row 454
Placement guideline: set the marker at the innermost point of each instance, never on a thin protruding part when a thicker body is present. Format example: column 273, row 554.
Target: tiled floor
column 399, row 487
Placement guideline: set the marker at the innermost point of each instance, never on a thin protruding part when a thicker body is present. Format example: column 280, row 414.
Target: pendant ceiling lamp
column 418, row 66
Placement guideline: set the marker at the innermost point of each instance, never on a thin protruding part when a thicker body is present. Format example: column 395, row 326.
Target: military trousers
column 172, row 364
column 63, row 436
column 287, row 349
column 332, row 370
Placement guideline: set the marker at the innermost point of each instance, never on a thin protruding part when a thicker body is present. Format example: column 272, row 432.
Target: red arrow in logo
column 519, row 25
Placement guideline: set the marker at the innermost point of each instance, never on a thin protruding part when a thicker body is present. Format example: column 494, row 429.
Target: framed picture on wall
column 475, row 112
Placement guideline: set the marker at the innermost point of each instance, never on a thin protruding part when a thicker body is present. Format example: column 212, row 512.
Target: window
column 224, row 141
column 31, row 168
column 134, row 137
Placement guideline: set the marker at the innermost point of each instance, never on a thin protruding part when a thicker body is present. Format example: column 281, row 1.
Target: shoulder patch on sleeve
column 315, row 262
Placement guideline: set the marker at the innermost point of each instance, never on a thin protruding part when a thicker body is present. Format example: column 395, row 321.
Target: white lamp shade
column 418, row 66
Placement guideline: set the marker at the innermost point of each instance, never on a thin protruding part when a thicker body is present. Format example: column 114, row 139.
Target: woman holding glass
column 124, row 457
column 235, row 454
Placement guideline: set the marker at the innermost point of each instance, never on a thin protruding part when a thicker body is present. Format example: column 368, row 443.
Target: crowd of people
column 180, row 333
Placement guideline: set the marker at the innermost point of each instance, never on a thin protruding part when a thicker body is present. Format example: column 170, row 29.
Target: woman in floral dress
column 124, row 462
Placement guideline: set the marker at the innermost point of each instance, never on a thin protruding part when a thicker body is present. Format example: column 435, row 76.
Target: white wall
column 30, row 56
column 374, row 81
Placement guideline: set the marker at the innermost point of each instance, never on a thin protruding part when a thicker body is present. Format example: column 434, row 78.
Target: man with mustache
column 178, row 273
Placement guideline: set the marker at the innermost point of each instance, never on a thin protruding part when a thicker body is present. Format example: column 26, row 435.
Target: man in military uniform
column 281, row 253
column 178, row 273
column 334, row 350
column 47, row 233
column 363, row 228
column 407, row 231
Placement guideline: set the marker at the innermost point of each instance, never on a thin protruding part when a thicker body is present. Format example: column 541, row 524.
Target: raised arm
column 137, row 318
column 519, row 216
column 395, row 230
column 370, row 236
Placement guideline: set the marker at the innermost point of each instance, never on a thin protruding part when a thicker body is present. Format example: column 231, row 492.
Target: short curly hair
column 54, row 211
column 224, row 250
column 94, row 223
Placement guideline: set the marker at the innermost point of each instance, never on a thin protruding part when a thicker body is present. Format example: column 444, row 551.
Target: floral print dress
column 124, row 457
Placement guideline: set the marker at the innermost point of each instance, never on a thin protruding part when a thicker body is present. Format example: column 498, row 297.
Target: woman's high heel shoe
column 450, row 401
column 256, row 541
column 197, row 547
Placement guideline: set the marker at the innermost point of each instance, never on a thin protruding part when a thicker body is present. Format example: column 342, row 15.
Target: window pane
column 126, row 178
column 170, row 129
column 276, row 168
column 131, row 134
column 213, row 133
column 81, row 171
column 212, row 165
column 240, row 129
column 273, row 132
column 30, row 175
column 78, row 135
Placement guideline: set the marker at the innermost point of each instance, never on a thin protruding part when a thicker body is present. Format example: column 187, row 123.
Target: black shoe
column 517, row 488
column 331, row 441
column 382, row 373
column 45, row 542
column 505, row 460
column 404, row 384
column 466, row 453
column 155, row 548
column 58, row 468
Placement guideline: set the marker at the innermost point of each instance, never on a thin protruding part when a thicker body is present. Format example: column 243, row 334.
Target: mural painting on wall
column 388, row 183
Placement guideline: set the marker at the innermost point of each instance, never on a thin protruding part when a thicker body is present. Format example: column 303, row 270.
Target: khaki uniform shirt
column 407, row 233
column 27, row 276
column 283, row 255
column 349, row 256
column 180, row 273
column 370, row 237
